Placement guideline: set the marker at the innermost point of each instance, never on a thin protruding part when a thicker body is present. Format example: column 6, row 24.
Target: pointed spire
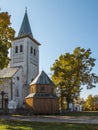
column 25, row 27
column 25, row 9
column 42, row 78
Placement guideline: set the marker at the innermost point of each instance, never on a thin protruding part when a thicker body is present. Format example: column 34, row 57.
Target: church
column 23, row 69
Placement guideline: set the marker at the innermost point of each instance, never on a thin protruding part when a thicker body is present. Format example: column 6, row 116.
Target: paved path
column 64, row 119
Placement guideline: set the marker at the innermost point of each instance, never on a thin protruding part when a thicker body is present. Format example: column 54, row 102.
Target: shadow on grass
column 21, row 125
column 83, row 113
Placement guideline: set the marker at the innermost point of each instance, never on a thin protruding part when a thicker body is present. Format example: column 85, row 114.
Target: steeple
column 25, row 27
column 42, row 78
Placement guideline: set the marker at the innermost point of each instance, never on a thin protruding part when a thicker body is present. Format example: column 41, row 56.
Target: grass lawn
column 20, row 125
column 83, row 113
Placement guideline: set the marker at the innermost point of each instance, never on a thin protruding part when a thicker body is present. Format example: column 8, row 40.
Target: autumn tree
column 6, row 37
column 72, row 71
column 95, row 102
column 89, row 103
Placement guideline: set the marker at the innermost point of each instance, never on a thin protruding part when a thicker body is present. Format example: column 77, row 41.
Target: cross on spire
column 25, row 26
column 25, row 9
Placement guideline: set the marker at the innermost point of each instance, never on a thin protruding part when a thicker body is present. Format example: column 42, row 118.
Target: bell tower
column 25, row 53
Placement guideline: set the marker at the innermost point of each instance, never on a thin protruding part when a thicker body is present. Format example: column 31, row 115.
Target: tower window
column 21, row 48
column 34, row 52
column 17, row 78
column 16, row 49
column 31, row 50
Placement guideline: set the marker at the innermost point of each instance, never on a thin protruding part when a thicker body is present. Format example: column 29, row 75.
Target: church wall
column 33, row 60
column 28, row 61
column 19, row 58
column 6, row 88
column 13, row 87
column 17, row 88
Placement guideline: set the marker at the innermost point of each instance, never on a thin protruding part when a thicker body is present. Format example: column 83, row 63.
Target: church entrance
column 3, row 100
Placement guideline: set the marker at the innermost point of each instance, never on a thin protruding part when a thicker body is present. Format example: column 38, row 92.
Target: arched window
column 21, row 48
column 31, row 50
column 34, row 52
column 16, row 49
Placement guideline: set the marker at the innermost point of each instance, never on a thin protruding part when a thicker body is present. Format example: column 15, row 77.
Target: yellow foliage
column 6, row 36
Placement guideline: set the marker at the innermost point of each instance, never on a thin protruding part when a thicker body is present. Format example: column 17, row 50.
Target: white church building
column 24, row 67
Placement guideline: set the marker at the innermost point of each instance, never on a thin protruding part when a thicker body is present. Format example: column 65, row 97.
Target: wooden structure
column 42, row 98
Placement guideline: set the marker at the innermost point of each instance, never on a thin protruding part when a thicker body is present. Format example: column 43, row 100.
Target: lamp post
column 2, row 97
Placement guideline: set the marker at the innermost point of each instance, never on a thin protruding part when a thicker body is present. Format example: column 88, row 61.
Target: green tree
column 72, row 71
column 6, row 37
column 95, row 102
column 89, row 103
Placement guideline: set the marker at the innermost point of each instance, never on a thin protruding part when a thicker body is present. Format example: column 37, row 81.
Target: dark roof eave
column 28, row 37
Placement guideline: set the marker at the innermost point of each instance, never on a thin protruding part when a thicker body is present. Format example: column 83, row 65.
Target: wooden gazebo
column 42, row 98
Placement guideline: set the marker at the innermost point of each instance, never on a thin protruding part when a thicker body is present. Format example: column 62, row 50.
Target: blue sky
column 60, row 26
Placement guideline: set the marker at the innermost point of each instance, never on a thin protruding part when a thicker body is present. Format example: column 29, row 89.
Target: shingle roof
column 8, row 72
column 42, row 78
column 25, row 27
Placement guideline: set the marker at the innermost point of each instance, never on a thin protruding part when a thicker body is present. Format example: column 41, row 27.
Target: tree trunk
column 61, row 103
column 68, row 101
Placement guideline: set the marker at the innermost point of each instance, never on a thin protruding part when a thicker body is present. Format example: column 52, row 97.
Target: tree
column 72, row 71
column 89, row 103
column 6, row 37
column 95, row 102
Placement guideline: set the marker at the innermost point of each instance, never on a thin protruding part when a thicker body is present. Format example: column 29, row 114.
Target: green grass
column 20, row 125
column 83, row 113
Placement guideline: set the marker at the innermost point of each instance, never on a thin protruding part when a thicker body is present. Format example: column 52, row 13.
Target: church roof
column 25, row 27
column 8, row 72
column 42, row 78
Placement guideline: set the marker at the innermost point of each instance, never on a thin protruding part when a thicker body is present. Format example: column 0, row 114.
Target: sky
column 60, row 26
